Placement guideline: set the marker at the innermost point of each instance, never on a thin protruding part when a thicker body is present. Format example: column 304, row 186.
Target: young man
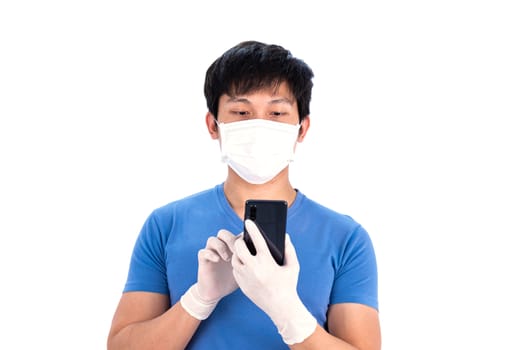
column 192, row 282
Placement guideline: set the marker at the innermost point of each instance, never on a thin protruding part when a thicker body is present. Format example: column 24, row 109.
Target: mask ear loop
column 217, row 125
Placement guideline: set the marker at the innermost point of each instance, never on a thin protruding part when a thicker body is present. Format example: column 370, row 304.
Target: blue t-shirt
column 336, row 257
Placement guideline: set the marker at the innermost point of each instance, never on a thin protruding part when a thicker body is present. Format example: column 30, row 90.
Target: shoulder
column 325, row 215
column 339, row 232
column 162, row 218
column 201, row 198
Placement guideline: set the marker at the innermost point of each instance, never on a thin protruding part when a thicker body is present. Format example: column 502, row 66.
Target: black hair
column 251, row 66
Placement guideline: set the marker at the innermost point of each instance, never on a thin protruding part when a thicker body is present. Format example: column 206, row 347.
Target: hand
column 215, row 278
column 271, row 287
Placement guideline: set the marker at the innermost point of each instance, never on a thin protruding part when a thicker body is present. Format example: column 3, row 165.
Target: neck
column 237, row 190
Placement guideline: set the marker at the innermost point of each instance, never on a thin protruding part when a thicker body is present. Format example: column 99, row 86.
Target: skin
column 145, row 321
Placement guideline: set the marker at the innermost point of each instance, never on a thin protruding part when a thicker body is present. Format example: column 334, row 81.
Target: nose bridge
column 264, row 116
column 261, row 106
column 259, row 110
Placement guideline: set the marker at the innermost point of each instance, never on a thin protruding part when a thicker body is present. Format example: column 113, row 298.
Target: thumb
column 290, row 253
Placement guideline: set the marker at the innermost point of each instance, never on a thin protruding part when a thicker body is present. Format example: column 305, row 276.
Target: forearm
column 321, row 339
column 171, row 330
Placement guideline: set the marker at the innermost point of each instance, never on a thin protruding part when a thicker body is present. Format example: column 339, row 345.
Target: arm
column 351, row 326
column 142, row 321
column 273, row 289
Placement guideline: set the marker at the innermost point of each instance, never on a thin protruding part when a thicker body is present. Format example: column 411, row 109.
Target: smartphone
column 270, row 218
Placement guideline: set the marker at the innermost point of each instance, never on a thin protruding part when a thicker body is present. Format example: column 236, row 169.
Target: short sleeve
column 356, row 279
column 147, row 269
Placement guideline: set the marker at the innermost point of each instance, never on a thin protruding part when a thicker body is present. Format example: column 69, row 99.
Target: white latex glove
column 215, row 278
column 271, row 287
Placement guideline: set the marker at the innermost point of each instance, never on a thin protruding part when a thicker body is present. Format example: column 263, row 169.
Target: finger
column 228, row 238
column 257, row 238
column 218, row 246
column 205, row 255
column 290, row 253
column 236, row 262
column 240, row 252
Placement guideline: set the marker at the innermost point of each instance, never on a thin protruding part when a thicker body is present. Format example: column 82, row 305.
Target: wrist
column 195, row 305
column 295, row 324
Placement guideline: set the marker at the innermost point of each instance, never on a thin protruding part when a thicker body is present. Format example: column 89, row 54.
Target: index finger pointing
column 228, row 238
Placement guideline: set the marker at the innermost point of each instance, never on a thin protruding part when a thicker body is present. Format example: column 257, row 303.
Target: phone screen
column 270, row 217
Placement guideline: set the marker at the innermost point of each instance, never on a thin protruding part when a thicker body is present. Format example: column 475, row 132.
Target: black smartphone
column 270, row 218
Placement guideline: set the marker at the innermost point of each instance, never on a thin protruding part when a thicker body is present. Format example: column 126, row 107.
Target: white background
column 102, row 120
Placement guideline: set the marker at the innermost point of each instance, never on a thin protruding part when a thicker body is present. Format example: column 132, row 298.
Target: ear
column 212, row 126
column 304, row 127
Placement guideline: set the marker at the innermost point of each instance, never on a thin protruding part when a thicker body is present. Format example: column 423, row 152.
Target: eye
column 240, row 113
column 278, row 113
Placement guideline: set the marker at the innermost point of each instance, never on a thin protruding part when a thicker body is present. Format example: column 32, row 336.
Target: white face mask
column 258, row 149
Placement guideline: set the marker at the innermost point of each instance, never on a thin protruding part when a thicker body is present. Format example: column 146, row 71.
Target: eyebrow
column 245, row 100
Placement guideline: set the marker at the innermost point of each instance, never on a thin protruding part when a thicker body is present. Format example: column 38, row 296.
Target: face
column 279, row 106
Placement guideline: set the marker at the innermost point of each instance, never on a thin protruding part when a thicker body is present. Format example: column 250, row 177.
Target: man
column 190, row 288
